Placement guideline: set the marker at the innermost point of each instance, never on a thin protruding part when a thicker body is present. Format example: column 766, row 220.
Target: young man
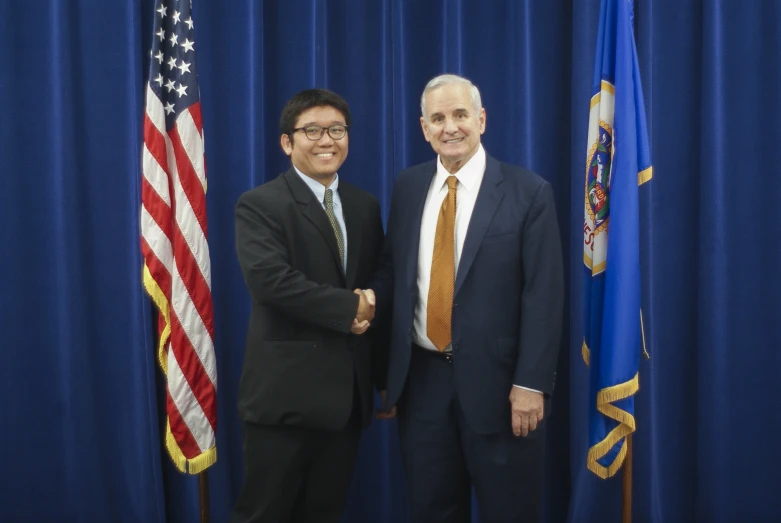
column 304, row 240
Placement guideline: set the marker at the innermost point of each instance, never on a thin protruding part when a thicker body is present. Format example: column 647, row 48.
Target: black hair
column 304, row 101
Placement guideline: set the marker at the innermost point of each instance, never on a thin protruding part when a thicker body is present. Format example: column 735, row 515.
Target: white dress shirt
column 470, row 177
column 319, row 190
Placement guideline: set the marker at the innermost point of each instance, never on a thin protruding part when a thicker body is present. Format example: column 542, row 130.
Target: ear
column 287, row 145
column 423, row 126
column 481, row 119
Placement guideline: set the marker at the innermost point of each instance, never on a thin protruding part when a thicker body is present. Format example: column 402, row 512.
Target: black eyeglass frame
column 322, row 131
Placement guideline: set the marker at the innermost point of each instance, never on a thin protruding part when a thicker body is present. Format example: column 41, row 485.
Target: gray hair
column 450, row 79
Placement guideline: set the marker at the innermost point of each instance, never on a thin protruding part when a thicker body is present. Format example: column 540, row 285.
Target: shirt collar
column 469, row 174
column 317, row 187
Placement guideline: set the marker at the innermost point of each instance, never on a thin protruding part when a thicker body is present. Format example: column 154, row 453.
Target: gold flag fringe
column 194, row 465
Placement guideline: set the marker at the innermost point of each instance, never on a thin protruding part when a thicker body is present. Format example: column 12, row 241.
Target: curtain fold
column 80, row 435
column 82, row 439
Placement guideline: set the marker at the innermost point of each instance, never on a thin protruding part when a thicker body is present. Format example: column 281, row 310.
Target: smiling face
column 322, row 158
column 452, row 125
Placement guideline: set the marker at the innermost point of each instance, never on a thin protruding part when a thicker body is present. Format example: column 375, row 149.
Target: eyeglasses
column 315, row 132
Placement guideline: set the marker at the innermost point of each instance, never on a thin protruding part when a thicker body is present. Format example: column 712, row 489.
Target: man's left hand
column 526, row 409
column 381, row 413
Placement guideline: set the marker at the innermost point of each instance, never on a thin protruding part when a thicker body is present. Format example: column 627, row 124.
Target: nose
column 450, row 126
column 325, row 139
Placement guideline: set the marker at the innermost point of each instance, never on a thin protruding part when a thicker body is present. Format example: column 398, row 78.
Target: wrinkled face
column 322, row 158
column 452, row 126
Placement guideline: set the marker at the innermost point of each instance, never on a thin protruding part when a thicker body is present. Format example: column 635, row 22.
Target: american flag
column 177, row 273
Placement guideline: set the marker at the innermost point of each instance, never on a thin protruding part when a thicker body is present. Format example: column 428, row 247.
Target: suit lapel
column 488, row 199
column 313, row 211
column 353, row 225
column 419, row 188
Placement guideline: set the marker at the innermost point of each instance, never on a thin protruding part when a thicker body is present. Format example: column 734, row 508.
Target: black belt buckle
column 447, row 356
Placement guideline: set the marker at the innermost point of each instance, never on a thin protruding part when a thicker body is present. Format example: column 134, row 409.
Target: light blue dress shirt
column 319, row 191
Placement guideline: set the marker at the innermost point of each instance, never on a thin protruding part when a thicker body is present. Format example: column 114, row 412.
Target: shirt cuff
column 527, row 388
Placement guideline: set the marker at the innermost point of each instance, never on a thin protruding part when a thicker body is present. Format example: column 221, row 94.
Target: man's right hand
column 371, row 297
column 365, row 312
column 365, row 307
column 359, row 328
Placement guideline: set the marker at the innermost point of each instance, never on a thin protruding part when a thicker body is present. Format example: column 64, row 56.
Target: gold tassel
column 161, row 302
column 200, row 463
column 195, row 465
column 173, row 449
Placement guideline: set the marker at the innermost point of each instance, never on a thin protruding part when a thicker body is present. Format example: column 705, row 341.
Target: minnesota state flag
column 617, row 162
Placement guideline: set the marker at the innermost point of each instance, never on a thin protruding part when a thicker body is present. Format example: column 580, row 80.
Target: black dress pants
column 297, row 475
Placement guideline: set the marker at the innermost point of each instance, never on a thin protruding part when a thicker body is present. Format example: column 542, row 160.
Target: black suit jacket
column 301, row 363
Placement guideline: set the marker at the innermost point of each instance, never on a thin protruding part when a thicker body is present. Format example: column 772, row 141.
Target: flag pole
column 203, row 495
column 626, row 477
column 626, row 483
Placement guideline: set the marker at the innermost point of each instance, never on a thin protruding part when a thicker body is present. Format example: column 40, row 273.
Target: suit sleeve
column 542, row 299
column 383, row 278
column 274, row 283
column 380, row 330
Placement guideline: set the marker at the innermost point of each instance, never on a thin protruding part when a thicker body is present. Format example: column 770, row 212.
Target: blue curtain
column 80, row 433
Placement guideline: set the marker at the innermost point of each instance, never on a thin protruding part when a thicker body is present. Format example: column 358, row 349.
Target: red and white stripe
column 177, row 275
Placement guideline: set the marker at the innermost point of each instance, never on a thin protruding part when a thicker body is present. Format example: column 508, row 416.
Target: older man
column 472, row 270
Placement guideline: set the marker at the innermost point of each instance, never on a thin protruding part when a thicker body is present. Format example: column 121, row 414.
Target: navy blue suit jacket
column 507, row 309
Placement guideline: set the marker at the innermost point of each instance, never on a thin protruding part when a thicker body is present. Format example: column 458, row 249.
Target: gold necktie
column 439, row 311
column 329, row 211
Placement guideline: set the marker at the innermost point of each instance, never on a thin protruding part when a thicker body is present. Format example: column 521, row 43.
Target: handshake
column 365, row 313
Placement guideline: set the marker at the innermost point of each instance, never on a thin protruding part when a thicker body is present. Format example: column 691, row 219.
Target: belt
column 444, row 356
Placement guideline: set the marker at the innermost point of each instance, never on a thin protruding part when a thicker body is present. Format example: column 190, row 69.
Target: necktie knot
column 329, row 197
column 451, row 182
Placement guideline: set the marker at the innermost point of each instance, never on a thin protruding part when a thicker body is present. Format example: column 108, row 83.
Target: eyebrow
column 333, row 122
column 460, row 110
